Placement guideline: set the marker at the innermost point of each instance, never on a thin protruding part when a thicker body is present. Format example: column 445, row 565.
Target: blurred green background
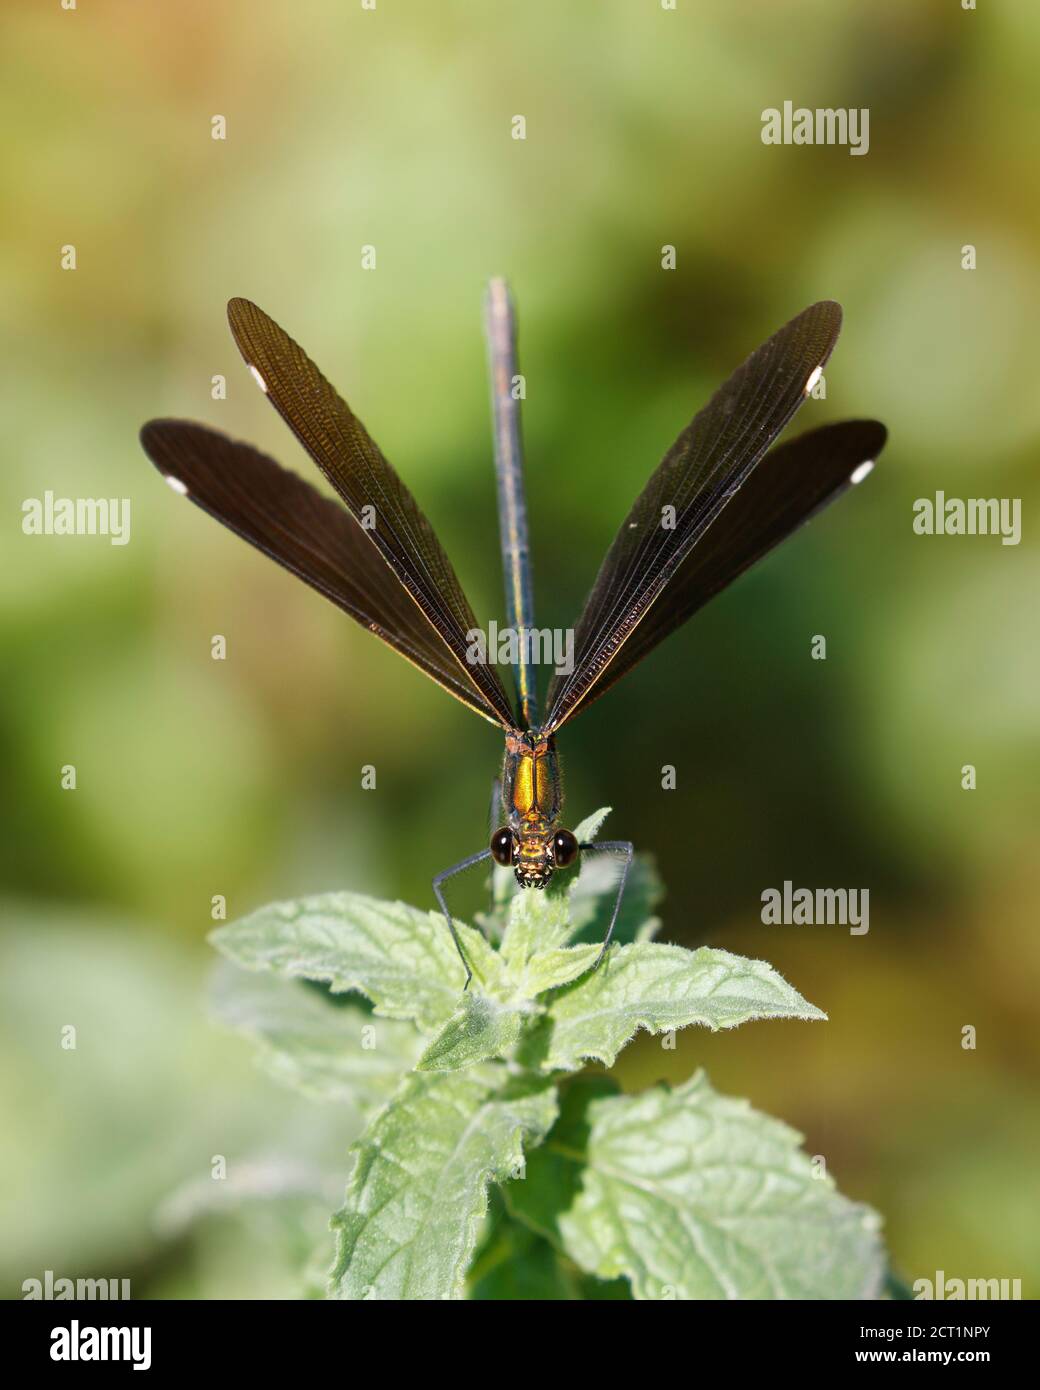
column 243, row 777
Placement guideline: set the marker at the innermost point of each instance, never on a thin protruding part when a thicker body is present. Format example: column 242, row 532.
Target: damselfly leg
column 467, row 863
column 626, row 848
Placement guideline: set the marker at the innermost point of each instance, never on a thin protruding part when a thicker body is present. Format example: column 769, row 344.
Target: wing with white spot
column 792, row 483
column 353, row 463
column 312, row 536
column 698, row 477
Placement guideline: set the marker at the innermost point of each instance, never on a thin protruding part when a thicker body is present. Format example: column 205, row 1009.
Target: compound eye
column 502, row 847
column 565, row 849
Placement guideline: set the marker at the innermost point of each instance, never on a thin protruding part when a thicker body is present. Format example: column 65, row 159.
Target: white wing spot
column 177, row 485
column 859, row 473
column 814, row 377
column 258, row 378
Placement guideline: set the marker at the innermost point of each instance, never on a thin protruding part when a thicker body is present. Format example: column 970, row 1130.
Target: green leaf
column 520, row 1267
column 513, row 1263
column 559, row 966
column 553, row 1172
column 308, row 1040
column 486, row 1026
column 692, row 1195
column 516, row 1264
column 551, row 1010
column 656, row 987
column 480, row 1028
column 404, row 960
column 538, row 922
column 418, row 1192
column 590, row 827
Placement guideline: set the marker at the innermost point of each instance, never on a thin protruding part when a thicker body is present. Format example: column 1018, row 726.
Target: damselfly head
column 534, row 854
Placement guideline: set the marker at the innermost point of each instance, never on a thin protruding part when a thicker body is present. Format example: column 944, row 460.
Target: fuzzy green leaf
column 590, row 827
column 552, row 1177
column 486, row 1026
column 537, row 922
column 418, row 1192
column 515, row 1264
column 550, row 969
column 328, row 1049
column 693, row 1195
column 479, row 1029
column 518, row 1267
column 402, row 959
column 656, row 987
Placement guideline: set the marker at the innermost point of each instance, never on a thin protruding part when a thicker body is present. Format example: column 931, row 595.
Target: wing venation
column 312, row 536
column 791, row 485
column 698, row 477
column 345, row 452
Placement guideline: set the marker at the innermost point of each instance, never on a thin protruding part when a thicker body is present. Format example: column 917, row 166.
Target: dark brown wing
column 792, row 483
column 310, row 535
column 697, row 477
column 345, row 452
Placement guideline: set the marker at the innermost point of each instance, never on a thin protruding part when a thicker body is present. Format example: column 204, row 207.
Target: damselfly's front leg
column 448, row 873
column 626, row 848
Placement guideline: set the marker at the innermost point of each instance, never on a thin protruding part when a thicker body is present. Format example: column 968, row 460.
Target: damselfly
column 717, row 503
